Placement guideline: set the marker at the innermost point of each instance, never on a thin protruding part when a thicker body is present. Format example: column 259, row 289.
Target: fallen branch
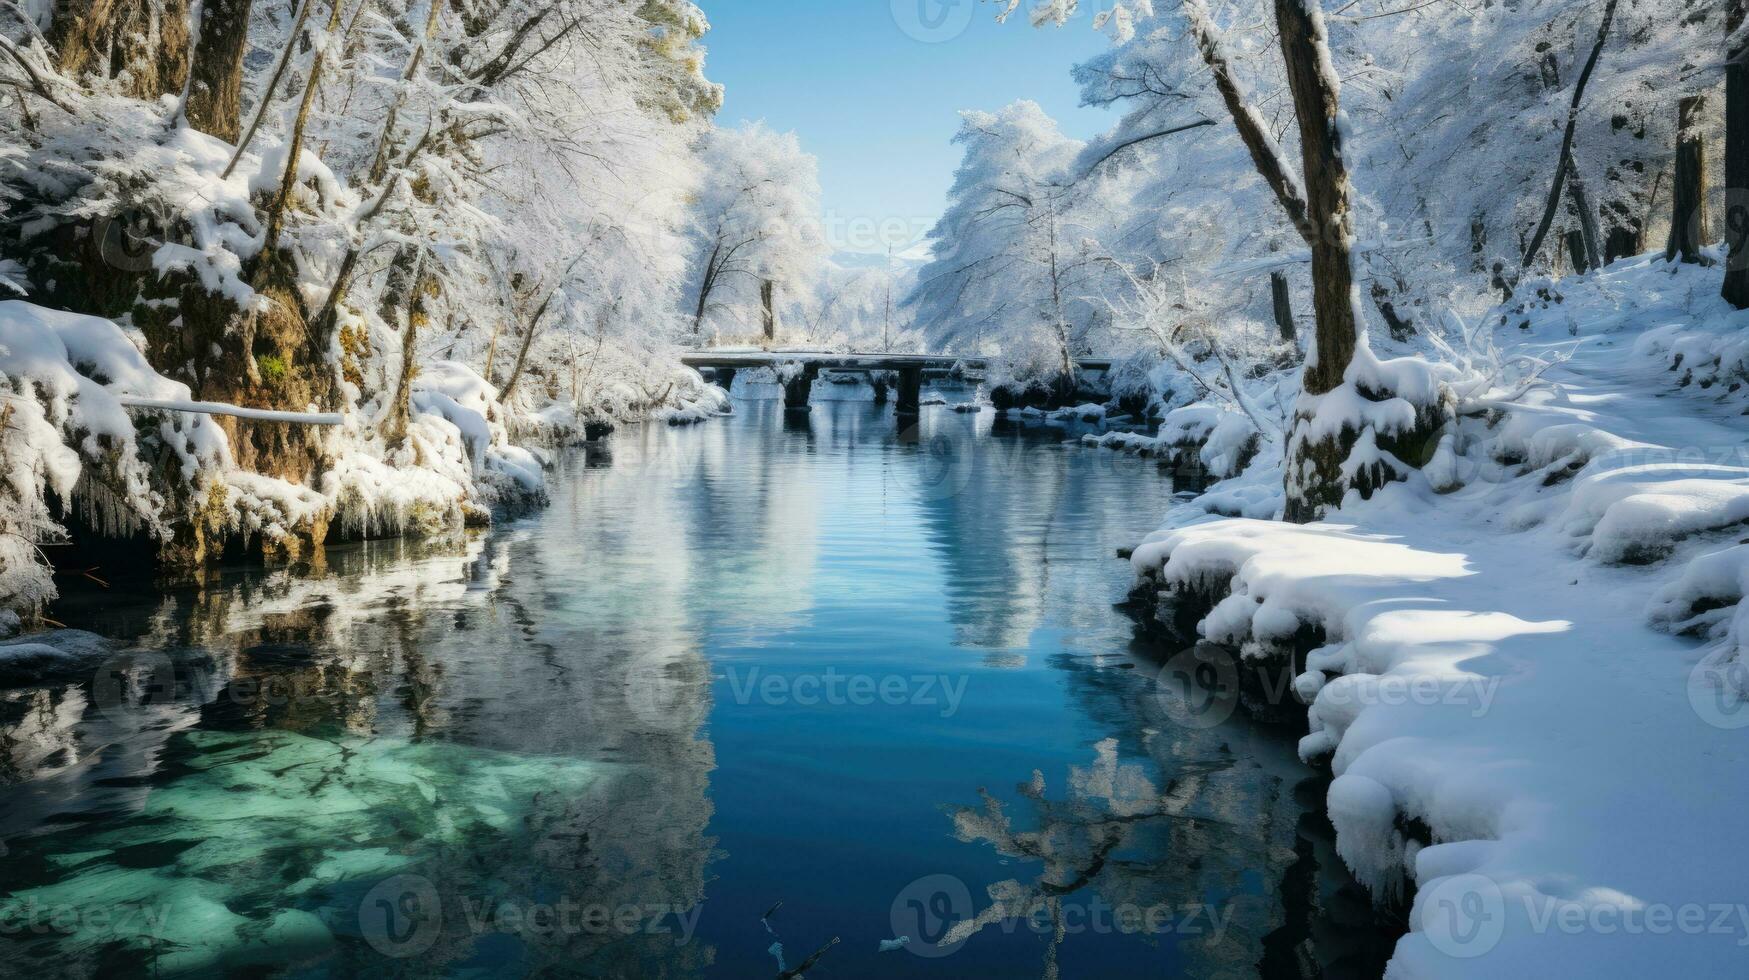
column 236, row 411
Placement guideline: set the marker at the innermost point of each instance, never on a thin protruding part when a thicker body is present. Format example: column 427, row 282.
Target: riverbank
column 1524, row 664
column 101, row 449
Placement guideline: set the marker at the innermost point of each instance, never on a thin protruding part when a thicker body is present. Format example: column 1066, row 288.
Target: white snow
column 1571, row 611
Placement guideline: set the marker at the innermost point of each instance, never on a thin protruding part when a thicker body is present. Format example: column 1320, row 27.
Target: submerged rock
column 35, row 657
column 254, row 853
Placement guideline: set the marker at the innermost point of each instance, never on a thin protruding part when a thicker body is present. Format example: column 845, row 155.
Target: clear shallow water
column 877, row 679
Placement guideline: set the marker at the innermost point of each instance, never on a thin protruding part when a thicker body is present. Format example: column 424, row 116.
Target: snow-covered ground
column 1541, row 669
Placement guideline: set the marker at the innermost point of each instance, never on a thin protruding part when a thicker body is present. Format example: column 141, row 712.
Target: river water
column 744, row 688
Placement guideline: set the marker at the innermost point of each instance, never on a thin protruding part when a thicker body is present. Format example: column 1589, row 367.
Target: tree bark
column 1266, row 154
column 1688, row 224
column 1587, row 215
column 289, row 178
column 521, row 359
column 273, row 80
column 418, row 314
column 705, row 286
column 767, row 300
column 1329, row 223
column 215, row 81
column 1284, row 307
column 1736, row 286
column 1575, row 240
column 147, row 40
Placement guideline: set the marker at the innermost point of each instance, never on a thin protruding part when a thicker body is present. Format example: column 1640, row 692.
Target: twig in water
column 807, row 964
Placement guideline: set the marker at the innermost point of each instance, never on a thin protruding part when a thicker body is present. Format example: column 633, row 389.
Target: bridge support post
column 796, row 389
column 910, row 390
column 878, row 381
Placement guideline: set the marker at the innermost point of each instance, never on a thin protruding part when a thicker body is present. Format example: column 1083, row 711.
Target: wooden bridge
column 909, row 368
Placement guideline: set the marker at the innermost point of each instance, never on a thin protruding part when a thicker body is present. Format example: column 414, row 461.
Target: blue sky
column 873, row 88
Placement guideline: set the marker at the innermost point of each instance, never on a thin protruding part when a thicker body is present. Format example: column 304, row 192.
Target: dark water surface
column 878, row 680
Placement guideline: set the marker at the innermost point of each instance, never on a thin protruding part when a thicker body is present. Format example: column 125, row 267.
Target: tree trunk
column 706, row 284
column 1575, row 240
column 379, row 166
column 1736, row 288
column 215, row 82
column 521, row 358
column 1587, row 215
column 492, row 350
column 1328, row 220
column 1266, row 154
column 1564, row 163
column 767, row 288
column 418, row 314
column 145, row 40
column 1688, row 225
column 294, row 152
column 273, row 80
column 1284, row 307
column 1401, row 328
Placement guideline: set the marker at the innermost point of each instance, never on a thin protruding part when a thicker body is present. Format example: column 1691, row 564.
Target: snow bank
column 1515, row 730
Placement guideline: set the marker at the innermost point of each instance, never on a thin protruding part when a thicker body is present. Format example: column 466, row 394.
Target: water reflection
column 464, row 713
column 558, row 749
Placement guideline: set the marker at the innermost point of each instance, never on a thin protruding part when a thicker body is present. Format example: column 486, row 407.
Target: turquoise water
column 743, row 689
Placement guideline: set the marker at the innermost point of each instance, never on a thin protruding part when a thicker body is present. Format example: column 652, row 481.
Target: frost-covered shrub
column 1029, row 372
column 1381, row 424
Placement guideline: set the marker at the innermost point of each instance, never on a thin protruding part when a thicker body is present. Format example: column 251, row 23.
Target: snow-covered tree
column 357, row 206
column 756, row 230
column 1015, row 258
